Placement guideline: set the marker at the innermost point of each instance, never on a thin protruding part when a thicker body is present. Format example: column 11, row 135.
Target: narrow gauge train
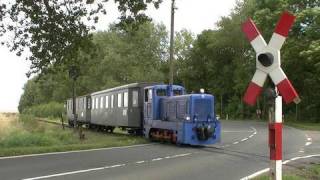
column 158, row 111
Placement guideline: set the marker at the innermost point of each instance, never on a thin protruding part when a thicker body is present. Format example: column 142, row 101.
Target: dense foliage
column 219, row 60
column 54, row 31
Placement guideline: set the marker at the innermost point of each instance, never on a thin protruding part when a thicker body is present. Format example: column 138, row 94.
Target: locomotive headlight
column 188, row 118
column 195, row 118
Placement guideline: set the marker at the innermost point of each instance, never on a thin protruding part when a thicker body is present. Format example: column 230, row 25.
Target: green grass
column 304, row 125
column 27, row 136
column 311, row 126
column 311, row 172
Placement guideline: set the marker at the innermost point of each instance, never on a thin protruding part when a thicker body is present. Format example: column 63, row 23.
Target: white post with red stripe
column 275, row 140
column 268, row 64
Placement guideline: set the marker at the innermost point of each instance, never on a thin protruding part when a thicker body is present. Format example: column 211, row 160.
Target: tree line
column 219, row 60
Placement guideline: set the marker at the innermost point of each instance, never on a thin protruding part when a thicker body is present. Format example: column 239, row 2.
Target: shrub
column 52, row 109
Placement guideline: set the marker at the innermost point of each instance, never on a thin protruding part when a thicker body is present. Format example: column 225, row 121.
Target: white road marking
column 181, row 155
column 68, row 152
column 157, row 159
column 254, row 130
column 308, row 143
column 139, row 162
column 102, row 168
column 118, row 165
column 75, row 172
column 301, row 151
column 244, row 139
column 284, row 162
column 237, row 131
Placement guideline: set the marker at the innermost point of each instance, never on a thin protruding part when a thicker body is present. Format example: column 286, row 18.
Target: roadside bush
column 52, row 109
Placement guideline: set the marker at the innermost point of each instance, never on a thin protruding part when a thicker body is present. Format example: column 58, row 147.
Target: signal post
column 268, row 63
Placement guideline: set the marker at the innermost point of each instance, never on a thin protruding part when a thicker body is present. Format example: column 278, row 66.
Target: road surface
column 243, row 151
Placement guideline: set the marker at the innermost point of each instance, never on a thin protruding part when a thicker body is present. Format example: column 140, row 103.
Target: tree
column 121, row 57
column 54, row 30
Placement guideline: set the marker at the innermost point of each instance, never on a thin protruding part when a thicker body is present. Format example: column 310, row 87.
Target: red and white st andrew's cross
column 268, row 60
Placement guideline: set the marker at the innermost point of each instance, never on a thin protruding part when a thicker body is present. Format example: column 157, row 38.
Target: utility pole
column 171, row 44
column 73, row 74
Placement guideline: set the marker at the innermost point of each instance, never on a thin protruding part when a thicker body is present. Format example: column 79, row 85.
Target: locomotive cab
column 170, row 114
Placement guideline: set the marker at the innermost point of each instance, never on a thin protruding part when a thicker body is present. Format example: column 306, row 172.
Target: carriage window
column 89, row 103
column 101, row 102
column 97, row 103
column 119, row 100
column 84, row 104
column 161, row 92
column 125, row 99
column 92, row 103
column 135, row 98
column 107, row 101
column 146, row 95
column 112, row 98
column 177, row 92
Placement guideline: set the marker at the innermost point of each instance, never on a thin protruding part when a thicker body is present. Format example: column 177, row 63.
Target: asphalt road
column 242, row 152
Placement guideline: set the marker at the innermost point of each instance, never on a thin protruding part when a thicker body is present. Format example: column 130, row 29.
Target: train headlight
column 195, row 118
column 188, row 118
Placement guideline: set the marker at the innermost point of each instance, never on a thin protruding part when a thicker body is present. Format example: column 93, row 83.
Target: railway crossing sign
column 268, row 60
column 268, row 63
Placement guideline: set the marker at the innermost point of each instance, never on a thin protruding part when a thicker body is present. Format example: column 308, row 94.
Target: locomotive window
column 112, row 98
column 92, row 103
column 125, row 99
column 119, row 100
column 101, row 102
column 97, row 103
column 135, row 98
column 161, row 92
column 107, row 101
column 177, row 92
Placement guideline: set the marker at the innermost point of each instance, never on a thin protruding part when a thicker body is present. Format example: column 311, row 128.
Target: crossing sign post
column 268, row 63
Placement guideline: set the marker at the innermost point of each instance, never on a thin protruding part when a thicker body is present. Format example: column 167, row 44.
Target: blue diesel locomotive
column 161, row 112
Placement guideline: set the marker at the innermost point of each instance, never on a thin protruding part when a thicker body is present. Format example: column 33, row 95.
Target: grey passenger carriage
column 83, row 110
column 116, row 107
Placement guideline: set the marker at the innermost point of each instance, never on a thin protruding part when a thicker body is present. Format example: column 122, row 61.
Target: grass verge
column 24, row 135
column 311, row 172
column 304, row 125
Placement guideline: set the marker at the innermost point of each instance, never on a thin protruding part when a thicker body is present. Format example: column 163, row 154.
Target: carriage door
column 148, row 106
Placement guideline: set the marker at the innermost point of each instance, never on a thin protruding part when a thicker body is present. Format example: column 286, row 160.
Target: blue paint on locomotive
column 191, row 117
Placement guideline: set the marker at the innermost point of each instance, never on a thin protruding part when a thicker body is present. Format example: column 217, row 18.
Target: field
column 22, row 134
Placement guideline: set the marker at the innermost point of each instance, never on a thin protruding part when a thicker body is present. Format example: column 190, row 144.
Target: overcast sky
column 194, row 15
